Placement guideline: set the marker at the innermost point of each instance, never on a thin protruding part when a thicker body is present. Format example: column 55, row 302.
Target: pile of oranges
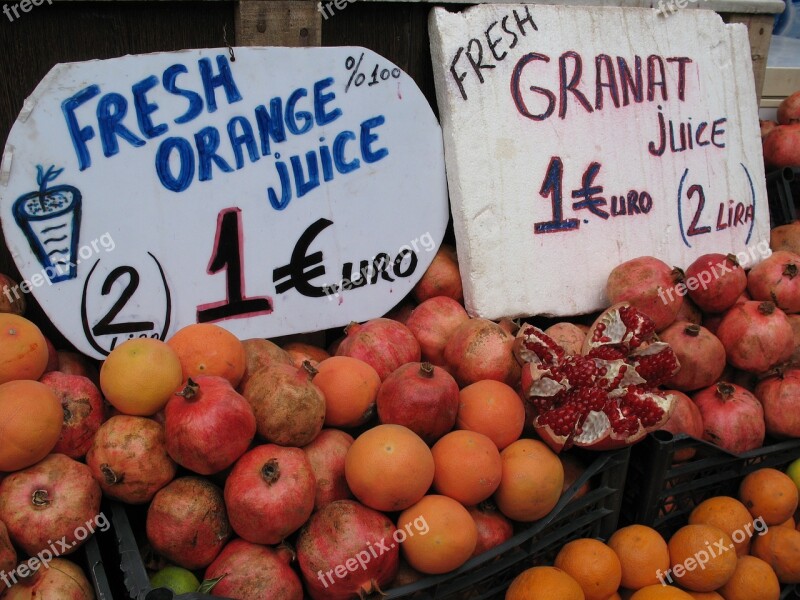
column 731, row 549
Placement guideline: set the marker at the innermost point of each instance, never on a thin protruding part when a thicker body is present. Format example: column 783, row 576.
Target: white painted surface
column 497, row 157
column 144, row 253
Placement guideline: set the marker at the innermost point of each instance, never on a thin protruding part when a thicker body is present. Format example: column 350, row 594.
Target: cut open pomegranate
column 606, row 398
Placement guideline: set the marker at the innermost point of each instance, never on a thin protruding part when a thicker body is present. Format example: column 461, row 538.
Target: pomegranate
column 777, row 278
column 567, row 335
column 381, row 343
column 715, row 282
column 346, row 551
column 605, row 398
column 780, row 396
column 442, row 278
column 401, row 312
column 55, row 499
column 686, row 419
column 74, row 363
column 481, row 349
column 289, row 408
column 509, row 325
column 789, row 110
column 260, row 353
column 186, row 522
column 247, row 571
column 648, row 285
column 494, row 528
column 756, row 335
column 270, row 493
column 786, row 237
column 432, row 323
column 794, row 321
column 61, row 580
column 208, row 425
column 690, row 312
column 766, row 126
column 13, row 301
column 83, row 412
column 733, row 418
column 326, row 455
column 129, row 459
column 8, row 556
column 52, row 356
column 782, row 147
column 422, row 397
column 700, row 353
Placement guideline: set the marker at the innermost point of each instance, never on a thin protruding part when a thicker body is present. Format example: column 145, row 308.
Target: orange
column 467, row 467
column 544, row 583
column 140, row 375
column 770, row 495
column 788, row 523
column 531, row 483
column 442, row 538
column 350, row 387
column 643, row 554
column 593, row 565
column 705, row 596
column 728, row 514
column 493, row 409
column 23, row 349
column 300, row 352
column 780, row 547
column 753, row 578
column 660, row 592
column 260, row 353
column 702, row 557
column 614, row 596
column 389, row 468
column 31, row 418
column 208, row 349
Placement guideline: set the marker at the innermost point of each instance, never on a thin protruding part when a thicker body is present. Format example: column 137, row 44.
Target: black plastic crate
column 783, row 194
column 661, row 494
column 486, row 576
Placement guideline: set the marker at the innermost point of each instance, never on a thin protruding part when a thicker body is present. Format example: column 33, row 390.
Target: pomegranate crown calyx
column 191, row 391
column 308, row 369
column 271, row 471
column 426, row 370
column 725, row 390
column 767, row 307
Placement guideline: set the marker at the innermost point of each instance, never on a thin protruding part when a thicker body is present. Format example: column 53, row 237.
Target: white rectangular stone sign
column 577, row 138
column 269, row 190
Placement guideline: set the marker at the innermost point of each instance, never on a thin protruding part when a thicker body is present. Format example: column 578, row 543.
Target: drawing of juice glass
column 50, row 219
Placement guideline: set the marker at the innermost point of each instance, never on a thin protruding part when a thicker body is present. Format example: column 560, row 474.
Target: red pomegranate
column 494, row 528
column 780, row 396
column 401, row 312
column 700, row 353
column 61, row 580
column 715, row 282
column 766, row 126
column 432, row 323
column 187, row 523
column 326, row 455
column 782, row 146
column 481, row 349
column 55, row 499
column 649, row 285
column 270, row 493
column 83, row 412
column 208, row 425
column 733, row 418
column 689, row 312
column 346, row 551
column 567, row 335
column 381, row 343
column 756, row 335
column 422, row 397
column 247, row 571
column 573, row 470
column 8, row 556
column 606, row 398
column 129, row 459
column 786, row 237
column 686, row 419
column 260, row 353
column 74, row 363
column 289, row 408
column 777, row 278
column 442, row 278
column 789, row 110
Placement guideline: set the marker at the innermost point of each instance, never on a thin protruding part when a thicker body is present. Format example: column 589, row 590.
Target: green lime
column 793, row 471
column 177, row 579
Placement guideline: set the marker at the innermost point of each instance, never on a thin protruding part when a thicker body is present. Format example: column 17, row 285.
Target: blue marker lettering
column 111, row 109
column 223, row 79
column 195, row 101
column 301, row 186
column 144, row 108
column 270, row 125
column 185, row 158
column 367, row 138
column 246, row 138
column 79, row 135
column 338, row 153
column 291, row 118
column 207, row 142
column 320, row 100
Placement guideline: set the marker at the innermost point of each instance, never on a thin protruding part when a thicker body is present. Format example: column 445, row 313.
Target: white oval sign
column 272, row 191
